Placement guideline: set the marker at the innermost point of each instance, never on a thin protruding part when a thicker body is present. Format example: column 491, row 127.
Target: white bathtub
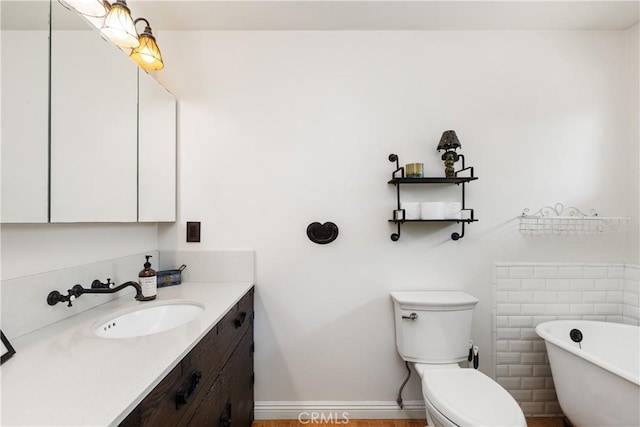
column 599, row 384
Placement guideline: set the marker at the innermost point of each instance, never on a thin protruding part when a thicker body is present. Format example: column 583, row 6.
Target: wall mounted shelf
column 398, row 178
column 560, row 221
column 433, row 180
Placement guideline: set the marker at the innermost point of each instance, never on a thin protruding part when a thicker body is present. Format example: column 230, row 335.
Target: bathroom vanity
column 198, row 373
column 211, row 383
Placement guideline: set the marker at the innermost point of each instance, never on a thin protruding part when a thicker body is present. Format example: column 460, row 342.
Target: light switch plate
column 193, row 231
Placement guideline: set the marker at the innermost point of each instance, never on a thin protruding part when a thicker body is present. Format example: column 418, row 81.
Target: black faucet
column 55, row 297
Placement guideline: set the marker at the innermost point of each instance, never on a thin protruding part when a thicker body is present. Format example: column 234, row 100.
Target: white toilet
column 433, row 329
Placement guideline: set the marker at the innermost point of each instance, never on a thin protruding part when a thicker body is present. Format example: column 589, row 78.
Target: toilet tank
column 433, row 326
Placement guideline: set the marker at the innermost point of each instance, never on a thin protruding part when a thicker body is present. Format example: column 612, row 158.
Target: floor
column 350, row 423
column 531, row 422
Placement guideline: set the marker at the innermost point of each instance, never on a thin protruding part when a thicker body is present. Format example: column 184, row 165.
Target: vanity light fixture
column 90, row 8
column 119, row 27
column 449, row 142
column 147, row 54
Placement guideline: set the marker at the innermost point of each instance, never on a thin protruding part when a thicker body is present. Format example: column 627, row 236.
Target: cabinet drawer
column 234, row 325
column 229, row 401
column 211, row 354
column 163, row 406
column 242, row 381
column 160, row 405
column 215, row 406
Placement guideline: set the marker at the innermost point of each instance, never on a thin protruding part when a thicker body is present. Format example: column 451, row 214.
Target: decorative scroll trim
column 559, row 210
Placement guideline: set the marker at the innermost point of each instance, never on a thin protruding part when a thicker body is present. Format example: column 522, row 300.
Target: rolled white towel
column 411, row 210
column 453, row 210
column 432, row 210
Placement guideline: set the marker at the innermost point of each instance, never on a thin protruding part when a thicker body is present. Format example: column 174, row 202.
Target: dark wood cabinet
column 229, row 401
column 241, row 379
column 213, row 384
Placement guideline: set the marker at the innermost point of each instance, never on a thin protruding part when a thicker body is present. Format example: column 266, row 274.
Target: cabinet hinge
column 253, row 348
column 253, row 379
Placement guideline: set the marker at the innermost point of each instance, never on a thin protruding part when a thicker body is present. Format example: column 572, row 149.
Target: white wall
column 29, row 249
column 281, row 129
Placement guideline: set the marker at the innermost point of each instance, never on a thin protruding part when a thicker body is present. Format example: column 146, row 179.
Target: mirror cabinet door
column 156, row 151
column 93, row 125
column 25, row 108
column 86, row 136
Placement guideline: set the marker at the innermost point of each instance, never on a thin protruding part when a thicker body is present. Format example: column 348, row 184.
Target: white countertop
column 64, row 375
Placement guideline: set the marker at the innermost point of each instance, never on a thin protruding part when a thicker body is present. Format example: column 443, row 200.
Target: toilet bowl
column 455, row 396
column 432, row 332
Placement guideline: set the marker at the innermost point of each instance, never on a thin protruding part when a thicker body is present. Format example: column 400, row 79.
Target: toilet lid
column 468, row 397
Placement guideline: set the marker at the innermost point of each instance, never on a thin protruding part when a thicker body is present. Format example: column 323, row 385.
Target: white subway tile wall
column 526, row 294
column 631, row 295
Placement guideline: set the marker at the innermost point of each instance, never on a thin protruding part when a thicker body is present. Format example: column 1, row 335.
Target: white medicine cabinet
column 93, row 125
column 96, row 140
column 156, row 151
column 25, row 109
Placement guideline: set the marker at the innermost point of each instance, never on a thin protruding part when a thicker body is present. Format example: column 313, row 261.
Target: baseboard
column 337, row 410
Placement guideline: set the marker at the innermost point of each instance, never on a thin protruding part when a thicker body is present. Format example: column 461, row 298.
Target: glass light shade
column 119, row 27
column 147, row 55
column 92, row 8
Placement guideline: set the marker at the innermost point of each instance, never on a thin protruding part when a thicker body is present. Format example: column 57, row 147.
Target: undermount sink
column 151, row 319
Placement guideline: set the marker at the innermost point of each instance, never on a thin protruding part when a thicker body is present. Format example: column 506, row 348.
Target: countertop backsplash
column 211, row 266
column 24, row 299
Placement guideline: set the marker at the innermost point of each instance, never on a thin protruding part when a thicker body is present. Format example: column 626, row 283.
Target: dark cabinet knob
column 240, row 318
column 225, row 417
column 184, row 392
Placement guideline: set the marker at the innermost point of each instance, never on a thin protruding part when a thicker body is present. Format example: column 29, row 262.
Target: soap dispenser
column 148, row 281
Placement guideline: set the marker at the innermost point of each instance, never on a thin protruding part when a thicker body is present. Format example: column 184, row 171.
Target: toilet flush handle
column 476, row 356
column 412, row 316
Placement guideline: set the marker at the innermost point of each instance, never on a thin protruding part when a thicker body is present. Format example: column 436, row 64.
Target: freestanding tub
column 597, row 380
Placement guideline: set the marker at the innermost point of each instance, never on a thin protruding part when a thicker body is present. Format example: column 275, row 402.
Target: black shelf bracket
column 396, row 236
column 457, row 236
column 398, row 215
column 399, row 169
column 397, row 178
